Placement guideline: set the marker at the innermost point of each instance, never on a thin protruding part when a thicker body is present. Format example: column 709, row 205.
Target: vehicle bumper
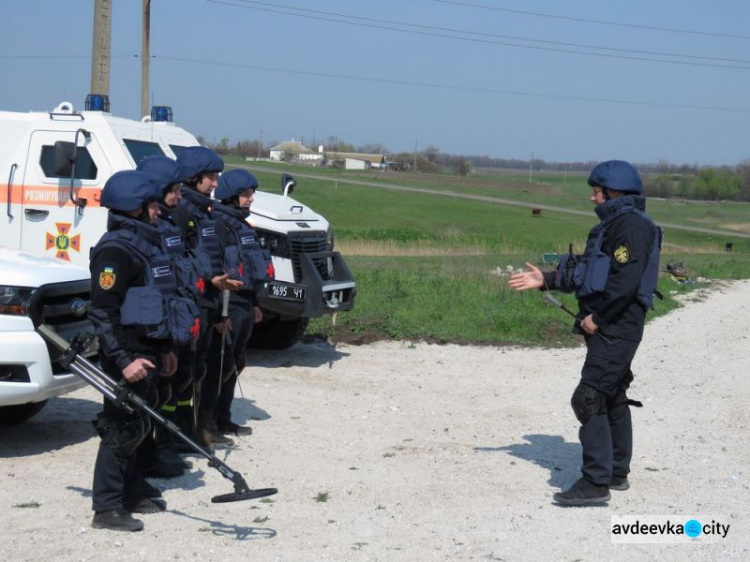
column 322, row 296
column 26, row 349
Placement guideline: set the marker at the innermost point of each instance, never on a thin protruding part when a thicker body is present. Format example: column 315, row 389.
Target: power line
column 387, row 25
column 447, row 86
column 598, row 22
column 21, row 57
column 431, row 85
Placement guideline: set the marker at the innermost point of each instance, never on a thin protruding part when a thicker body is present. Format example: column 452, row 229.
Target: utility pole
column 101, row 47
column 145, row 55
column 260, row 143
column 415, row 156
column 531, row 165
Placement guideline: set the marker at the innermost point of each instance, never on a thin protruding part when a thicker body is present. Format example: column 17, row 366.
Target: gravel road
column 408, row 451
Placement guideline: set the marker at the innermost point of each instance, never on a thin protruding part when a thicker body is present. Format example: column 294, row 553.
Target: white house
column 296, row 151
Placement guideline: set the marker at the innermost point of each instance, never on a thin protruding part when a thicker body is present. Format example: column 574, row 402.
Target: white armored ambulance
column 53, row 165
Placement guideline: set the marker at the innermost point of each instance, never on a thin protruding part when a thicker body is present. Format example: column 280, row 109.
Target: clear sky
column 567, row 81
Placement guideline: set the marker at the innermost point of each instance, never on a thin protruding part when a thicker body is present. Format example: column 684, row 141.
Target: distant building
column 355, row 160
column 295, row 152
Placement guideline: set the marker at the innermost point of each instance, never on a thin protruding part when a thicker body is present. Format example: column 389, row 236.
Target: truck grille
column 309, row 243
column 64, row 307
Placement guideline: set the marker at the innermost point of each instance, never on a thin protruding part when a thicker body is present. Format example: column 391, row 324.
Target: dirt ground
column 400, row 451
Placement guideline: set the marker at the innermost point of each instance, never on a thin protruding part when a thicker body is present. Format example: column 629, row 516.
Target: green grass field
column 435, row 268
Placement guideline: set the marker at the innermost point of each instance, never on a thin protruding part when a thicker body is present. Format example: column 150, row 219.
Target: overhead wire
column 445, row 86
column 484, row 38
column 595, row 21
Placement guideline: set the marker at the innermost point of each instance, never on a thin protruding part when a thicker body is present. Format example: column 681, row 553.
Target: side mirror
column 65, row 164
column 287, row 184
column 64, row 158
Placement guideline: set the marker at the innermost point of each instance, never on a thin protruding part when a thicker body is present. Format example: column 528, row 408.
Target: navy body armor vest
column 249, row 262
column 208, row 249
column 187, row 268
column 587, row 274
column 155, row 309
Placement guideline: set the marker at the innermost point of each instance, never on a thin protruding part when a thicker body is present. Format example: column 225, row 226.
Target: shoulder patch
column 107, row 278
column 621, row 254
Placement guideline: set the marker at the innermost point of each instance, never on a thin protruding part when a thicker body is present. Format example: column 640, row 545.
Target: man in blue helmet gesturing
column 614, row 281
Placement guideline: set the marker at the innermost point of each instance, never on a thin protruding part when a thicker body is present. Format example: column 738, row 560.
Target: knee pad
column 122, row 436
column 587, row 402
column 617, row 411
column 618, row 405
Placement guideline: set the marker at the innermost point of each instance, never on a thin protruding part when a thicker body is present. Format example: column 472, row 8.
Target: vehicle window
column 177, row 149
column 140, row 149
column 85, row 167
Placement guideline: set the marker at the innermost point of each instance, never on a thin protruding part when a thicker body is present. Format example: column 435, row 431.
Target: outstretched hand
column 224, row 283
column 532, row 278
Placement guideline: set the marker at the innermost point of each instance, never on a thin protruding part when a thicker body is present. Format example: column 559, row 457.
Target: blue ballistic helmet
column 234, row 182
column 129, row 190
column 162, row 170
column 618, row 175
column 198, row 160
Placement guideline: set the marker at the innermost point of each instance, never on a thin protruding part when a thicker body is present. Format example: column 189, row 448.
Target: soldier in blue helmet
column 253, row 266
column 130, row 277
column 176, row 391
column 614, row 281
column 200, row 169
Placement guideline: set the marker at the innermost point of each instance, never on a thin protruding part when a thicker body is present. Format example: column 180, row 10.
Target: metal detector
column 124, row 398
column 552, row 300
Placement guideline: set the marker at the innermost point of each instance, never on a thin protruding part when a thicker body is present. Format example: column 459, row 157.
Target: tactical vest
column 154, row 309
column 187, row 268
column 208, row 249
column 244, row 256
column 588, row 273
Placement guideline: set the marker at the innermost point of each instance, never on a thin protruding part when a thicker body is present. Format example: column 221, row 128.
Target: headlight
column 275, row 243
column 329, row 238
column 15, row 300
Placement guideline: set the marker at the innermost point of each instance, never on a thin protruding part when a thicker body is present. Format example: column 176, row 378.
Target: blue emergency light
column 161, row 113
column 97, row 102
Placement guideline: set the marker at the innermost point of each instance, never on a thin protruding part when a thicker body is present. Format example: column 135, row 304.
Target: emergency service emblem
column 63, row 242
column 621, row 254
column 107, row 278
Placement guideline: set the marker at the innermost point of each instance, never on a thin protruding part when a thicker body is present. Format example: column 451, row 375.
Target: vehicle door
column 52, row 223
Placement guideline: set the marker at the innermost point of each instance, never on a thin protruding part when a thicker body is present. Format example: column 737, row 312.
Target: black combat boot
column 147, row 505
column 583, row 493
column 237, row 429
column 116, row 520
column 619, row 483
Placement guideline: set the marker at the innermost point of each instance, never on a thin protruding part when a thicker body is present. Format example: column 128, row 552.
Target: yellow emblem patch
column 621, row 254
column 107, row 278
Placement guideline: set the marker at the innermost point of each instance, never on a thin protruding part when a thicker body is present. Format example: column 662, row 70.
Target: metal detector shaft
column 123, row 397
column 222, row 351
column 560, row 305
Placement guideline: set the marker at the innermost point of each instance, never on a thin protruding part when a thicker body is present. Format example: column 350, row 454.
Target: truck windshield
column 140, row 149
